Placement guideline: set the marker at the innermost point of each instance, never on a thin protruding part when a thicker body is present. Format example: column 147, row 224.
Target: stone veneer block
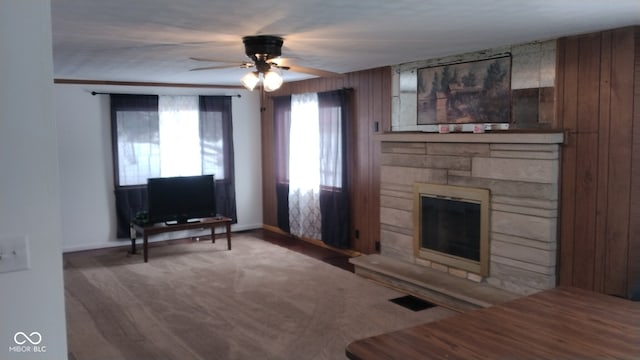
column 518, row 280
column 508, row 188
column 525, row 266
column 456, row 149
column 396, row 217
column 474, row 277
column 525, row 151
column 422, row 161
column 530, row 148
column 527, row 226
column 396, row 189
column 525, row 202
column 439, row 267
column 458, row 273
column 408, row 176
column 524, row 155
column 396, row 245
column 548, row 213
column 523, row 253
column 530, row 170
column 422, row 262
column 403, row 148
column 396, row 203
column 458, row 173
column 544, row 245
column 397, row 229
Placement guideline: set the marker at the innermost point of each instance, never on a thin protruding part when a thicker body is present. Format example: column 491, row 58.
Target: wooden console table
column 159, row 228
column 561, row 323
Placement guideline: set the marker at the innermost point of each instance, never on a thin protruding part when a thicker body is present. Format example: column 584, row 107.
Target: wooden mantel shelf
column 488, row 137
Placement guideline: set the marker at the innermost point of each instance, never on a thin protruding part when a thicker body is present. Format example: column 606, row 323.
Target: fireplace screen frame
column 449, row 192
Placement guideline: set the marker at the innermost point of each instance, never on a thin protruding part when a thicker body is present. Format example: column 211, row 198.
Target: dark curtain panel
column 130, row 199
column 216, row 122
column 334, row 110
column 282, row 125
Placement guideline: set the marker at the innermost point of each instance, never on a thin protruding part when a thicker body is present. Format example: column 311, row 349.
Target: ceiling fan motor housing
column 262, row 47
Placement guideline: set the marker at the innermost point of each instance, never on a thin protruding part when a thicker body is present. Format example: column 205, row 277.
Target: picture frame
column 474, row 92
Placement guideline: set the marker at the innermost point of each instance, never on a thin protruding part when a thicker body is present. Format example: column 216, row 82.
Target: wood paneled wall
column 597, row 87
column 372, row 105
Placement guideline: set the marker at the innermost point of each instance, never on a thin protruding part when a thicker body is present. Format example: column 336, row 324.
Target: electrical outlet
column 14, row 253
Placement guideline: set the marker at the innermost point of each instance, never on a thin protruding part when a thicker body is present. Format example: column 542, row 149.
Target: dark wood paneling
column 598, row 230
column 604, row 108
column 372, row 103
column 269, row 213
column 633, row 258
column 619, row 161
column 567, row 84
column 585, row 210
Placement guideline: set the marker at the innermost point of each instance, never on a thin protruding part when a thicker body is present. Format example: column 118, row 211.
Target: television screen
column 181, row 198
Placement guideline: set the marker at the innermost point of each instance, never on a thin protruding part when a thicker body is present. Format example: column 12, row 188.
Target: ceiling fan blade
column 222, row 67
column 214, row 60
column 312, row 71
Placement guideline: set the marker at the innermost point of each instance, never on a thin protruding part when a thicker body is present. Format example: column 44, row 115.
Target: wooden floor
column 562, row 323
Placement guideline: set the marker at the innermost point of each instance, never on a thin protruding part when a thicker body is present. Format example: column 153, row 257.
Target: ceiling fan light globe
column 250, row 80
column 272, row 81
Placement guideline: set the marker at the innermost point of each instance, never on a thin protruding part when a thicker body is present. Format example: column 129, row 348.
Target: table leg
column 213, row 234
column 228, row 234
column 145, row 247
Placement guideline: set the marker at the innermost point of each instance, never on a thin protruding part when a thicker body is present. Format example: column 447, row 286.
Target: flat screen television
column 181, row 199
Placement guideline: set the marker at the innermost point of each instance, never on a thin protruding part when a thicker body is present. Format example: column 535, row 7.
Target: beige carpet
column 200, row 301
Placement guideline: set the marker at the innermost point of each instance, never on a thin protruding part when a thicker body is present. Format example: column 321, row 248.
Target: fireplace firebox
column 451, row 226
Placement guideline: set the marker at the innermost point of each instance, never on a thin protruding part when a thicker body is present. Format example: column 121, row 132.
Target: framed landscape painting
column 462, row 93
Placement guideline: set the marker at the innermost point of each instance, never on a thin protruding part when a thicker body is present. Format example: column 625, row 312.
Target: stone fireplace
column 518, row 173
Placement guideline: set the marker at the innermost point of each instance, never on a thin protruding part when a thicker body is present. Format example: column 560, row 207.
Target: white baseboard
column 127, row 242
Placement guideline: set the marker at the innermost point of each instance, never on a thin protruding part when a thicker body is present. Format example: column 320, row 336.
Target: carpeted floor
column 200, row 301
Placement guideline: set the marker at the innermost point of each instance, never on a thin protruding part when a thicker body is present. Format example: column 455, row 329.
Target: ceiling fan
column 264, row 52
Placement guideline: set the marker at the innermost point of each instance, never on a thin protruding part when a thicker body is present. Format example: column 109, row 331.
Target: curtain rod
column 94, row 93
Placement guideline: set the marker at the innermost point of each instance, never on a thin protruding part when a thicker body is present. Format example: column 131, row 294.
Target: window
column 311, row 174
column 164, row 136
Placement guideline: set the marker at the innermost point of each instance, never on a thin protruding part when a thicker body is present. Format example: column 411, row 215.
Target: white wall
column 86, row 170
column 32, row 300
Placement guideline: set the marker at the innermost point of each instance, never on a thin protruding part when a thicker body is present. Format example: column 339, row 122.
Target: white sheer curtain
column 304, row 167
column 180, row 153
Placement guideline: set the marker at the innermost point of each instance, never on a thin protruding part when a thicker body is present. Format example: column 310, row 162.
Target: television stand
column 159, row 228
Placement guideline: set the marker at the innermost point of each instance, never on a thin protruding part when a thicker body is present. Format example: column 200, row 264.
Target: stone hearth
column 521, row 171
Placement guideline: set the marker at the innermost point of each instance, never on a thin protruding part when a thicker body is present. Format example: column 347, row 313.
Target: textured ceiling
column 152, row 40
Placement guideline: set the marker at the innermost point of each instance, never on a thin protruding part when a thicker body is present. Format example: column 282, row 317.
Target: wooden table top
column 560, row 323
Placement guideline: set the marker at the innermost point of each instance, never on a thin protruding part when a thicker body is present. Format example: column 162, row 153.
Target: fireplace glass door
column 451, row 226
